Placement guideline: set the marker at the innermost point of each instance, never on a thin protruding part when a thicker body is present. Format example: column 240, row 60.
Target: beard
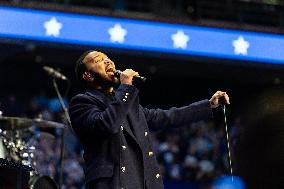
column 104, row 82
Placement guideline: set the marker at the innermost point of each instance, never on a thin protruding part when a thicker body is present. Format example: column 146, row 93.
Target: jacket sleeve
column 175, row 117
column 88, row 115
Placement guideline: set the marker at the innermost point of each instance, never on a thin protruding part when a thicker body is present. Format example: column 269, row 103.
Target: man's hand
column 215, row 100
column 127, row 75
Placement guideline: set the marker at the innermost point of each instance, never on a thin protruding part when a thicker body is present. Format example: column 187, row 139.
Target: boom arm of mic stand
column 66, row 114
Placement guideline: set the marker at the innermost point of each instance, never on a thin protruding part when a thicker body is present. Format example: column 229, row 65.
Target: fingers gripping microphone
column 137, row 77
column 222, row 101
column 52, row 72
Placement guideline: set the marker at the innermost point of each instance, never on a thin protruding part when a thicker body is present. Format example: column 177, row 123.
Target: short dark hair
column 80, row 67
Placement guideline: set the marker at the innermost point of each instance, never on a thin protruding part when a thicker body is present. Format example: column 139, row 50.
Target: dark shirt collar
column 108, row 95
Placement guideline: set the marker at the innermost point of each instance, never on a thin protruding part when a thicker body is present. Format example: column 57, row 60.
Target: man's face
column 100, row 66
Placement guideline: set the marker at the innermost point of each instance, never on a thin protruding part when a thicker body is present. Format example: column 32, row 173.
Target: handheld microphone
column 54, row 73
column 137, row 77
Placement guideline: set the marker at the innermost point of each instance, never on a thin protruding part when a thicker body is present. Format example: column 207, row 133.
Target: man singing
column 114, row 128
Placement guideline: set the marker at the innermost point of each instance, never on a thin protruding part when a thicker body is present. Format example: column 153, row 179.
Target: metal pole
column 228, row 141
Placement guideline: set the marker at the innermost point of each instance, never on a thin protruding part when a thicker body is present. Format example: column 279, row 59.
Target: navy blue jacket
column 114, row 134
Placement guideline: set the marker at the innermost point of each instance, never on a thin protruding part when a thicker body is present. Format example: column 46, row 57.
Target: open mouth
column 110, row 70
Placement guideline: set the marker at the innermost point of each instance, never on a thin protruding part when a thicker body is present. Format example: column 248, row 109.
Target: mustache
column 103, row 81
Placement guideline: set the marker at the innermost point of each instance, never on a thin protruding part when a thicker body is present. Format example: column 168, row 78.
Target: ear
column 87, row 76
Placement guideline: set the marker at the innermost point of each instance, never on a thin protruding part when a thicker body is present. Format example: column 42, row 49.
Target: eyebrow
column 101, row 57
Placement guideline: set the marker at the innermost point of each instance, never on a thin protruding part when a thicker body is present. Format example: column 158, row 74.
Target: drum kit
column 17, row 154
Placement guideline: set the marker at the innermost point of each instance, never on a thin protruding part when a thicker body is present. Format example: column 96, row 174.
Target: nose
column 108, row 61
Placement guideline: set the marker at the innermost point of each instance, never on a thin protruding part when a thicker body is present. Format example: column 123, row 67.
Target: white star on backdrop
column 52, row 27
column 241, row 46
column 117, row 33
column 180, row 39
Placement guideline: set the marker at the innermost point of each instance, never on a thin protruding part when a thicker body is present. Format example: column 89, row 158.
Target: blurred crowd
column 237, row 11
column 196, row 153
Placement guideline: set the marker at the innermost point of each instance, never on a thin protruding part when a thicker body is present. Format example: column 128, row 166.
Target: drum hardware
column 20, row 176
column 2, row 148
column 14, row 131
column 18, row 151
column 41, row 182
column 13, row 165
column 14, row 175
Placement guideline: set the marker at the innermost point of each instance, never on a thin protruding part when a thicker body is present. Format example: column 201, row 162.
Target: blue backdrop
column 140, row 35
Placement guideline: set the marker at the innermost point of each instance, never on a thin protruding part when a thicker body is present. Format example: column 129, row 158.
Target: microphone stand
column 227, row 137
column 67, row 117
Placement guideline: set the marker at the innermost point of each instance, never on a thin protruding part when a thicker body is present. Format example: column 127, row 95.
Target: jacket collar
column 99, row 95
column 104, row 101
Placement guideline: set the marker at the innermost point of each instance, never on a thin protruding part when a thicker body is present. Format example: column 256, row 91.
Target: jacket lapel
column 133, row 119
column 138, row 131
column 104, row 102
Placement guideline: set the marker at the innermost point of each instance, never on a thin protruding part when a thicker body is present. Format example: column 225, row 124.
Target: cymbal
column 47, row 124
column 15, row 123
